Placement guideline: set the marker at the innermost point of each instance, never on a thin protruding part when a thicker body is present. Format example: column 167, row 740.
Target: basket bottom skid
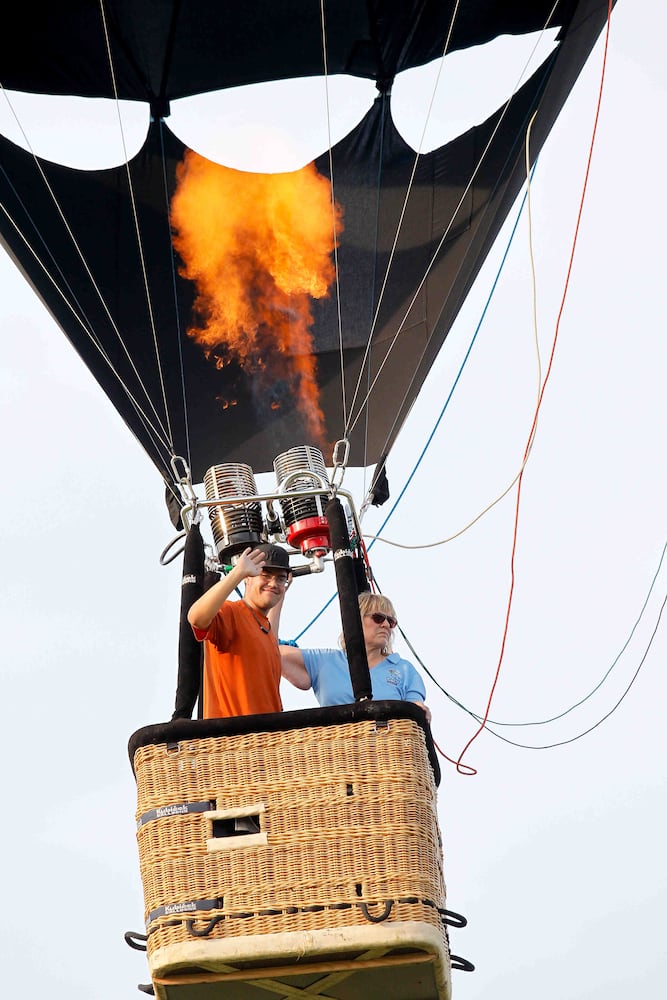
column 404, row 961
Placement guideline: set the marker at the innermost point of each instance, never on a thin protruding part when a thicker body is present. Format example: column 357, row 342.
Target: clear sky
column 555, row 855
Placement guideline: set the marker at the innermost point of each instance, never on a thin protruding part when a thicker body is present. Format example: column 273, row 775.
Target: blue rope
column 446, row 403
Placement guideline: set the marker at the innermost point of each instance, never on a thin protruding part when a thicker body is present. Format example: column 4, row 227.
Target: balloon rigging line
column 572, row 739
column 77, row 313
column 137, row 229
column 440, row 417
column 374, row 538
column 554, row 718
column 466, row 770
column 469, row 771
column 461, row 264
column 501, row 496
column 377, row 537
column 158, row 438
column 399, row 224
column 443, row 238
column 365, row 361
column 397, row 233
column 533, row 278
column 373, row 284
column 529, row 174
column 325, row 63
column 161, row 434
column 179, row 339
column 430, row 265
column 542, row 722
column 510, row 596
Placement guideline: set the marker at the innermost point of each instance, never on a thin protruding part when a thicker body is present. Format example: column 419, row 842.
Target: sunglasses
column 380, row 619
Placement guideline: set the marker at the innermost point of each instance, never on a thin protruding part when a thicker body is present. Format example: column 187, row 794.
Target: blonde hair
column 370, row 603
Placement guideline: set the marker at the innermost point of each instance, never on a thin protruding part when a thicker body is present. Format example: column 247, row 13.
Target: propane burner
column 236, row 525
column 299, row 471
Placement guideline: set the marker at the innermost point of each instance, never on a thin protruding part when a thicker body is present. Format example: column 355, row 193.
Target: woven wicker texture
column 349, row 813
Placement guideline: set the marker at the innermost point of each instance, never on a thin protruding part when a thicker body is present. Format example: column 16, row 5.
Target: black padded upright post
column 189, row 650
column 348, row 595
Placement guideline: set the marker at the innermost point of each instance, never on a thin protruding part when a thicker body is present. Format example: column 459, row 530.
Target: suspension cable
column 178, row 331
column 450, row 538
column 156, row 433
column 443, row 239
column 397, row 233
column 333, row 209
column 137, row 228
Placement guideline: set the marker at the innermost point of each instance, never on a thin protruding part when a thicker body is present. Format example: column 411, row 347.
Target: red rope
column 466, row 769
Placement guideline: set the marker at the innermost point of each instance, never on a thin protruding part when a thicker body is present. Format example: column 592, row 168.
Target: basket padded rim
column 276, row 722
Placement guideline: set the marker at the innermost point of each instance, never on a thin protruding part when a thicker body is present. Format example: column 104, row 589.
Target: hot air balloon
column 230, row 318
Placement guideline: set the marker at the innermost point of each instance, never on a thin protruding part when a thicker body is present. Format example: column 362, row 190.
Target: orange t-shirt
column 241, row 664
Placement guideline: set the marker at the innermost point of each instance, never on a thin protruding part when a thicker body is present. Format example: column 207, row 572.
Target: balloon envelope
column 100, row 246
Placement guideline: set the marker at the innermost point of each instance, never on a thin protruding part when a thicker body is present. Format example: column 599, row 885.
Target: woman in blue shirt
column 328, row 673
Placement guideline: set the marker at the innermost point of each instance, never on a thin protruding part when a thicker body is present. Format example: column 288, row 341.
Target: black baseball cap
column 276, row 557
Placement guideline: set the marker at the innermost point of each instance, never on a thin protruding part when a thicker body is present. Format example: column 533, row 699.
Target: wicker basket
column 288, row 848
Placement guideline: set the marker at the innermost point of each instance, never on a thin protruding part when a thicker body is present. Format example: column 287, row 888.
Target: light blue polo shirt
column 394, row 679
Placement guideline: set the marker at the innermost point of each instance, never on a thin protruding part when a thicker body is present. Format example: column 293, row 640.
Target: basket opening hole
column 349, row 789
column 358, row 889
column 236, row 826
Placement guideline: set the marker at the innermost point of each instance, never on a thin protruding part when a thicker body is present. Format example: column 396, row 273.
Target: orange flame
column 258, row 247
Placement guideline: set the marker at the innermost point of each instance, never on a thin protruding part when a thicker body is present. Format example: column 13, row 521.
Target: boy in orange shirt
column 242, row 665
